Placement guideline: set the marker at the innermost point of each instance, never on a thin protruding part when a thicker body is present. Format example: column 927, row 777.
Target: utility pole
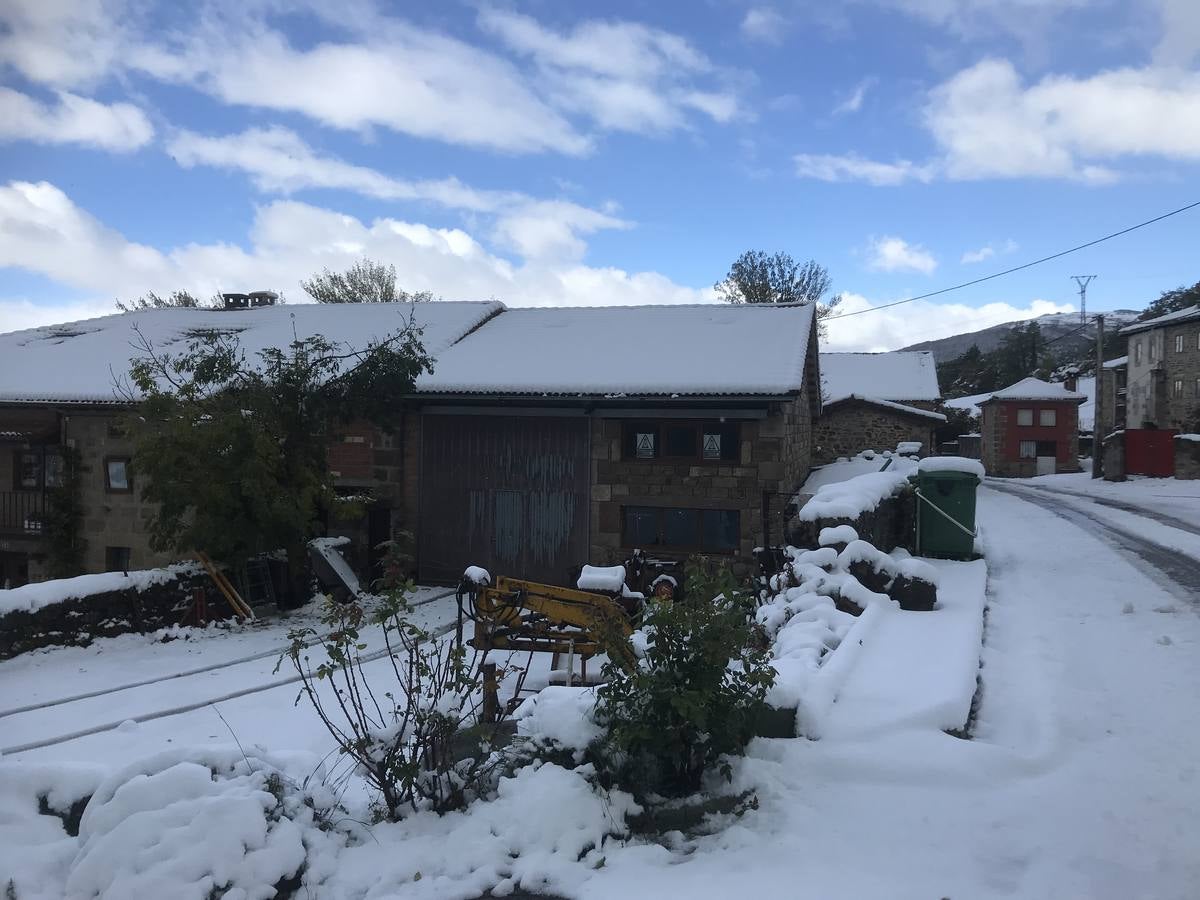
column 1099, row 427
column 1082, row 281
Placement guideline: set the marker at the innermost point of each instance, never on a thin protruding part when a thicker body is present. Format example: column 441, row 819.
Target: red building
column 1031, row 428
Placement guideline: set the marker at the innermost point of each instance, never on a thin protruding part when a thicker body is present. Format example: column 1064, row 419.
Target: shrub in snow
column 693, row 698
column 418, row 741
column 194, row 825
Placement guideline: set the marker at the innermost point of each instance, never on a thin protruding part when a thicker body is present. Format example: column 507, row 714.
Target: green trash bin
column 945, row 496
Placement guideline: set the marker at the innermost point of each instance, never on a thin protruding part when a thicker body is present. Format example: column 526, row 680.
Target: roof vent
column 253, row 300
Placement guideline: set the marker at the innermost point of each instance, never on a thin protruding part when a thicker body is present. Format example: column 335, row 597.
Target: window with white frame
column 1024, row 416
column 1028, row 449
column 1179, row 343
column 1153, row 348
column 1177, row 388
column 1137, row 350
column 1047, row 417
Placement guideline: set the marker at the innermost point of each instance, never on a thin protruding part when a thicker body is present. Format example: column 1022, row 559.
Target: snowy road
column 1168, row 546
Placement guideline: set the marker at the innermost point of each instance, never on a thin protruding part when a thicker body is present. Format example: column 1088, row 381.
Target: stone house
column 1116, row 379
column 544, row 438
column 1031, row 428
column 875, row 401
column 1163, row 383
column 552, row 437
column 61, row 387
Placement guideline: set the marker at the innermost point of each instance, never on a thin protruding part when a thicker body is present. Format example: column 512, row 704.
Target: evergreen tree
column 1172, row 301
column 233, row 452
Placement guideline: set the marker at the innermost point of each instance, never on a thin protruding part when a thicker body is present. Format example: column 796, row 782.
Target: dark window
column 720, row 529
column 117, row 477
column 1047, row 448
column 698, row 441
column 713, row 530
column 28, row 471
column 679, row 528
column 116, row 559
column 680, row 441
column 641, row 526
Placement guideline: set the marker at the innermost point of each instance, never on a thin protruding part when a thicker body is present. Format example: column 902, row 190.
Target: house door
column 507, row 493
column 1047, row 457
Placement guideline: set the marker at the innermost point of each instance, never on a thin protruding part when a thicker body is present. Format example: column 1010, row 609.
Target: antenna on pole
column 1082, row 281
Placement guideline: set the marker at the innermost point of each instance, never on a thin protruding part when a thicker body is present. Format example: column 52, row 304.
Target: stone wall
column 889, row 525
column 1182, row 411
column 79, row 621
column 1187, row 458
column 846, row 429
column 773, row 456
column 111, row 519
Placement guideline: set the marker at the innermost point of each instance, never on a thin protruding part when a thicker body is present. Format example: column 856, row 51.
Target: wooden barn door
column 503, row 492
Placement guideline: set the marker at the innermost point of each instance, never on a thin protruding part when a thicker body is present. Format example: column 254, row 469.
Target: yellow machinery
column 524, row 615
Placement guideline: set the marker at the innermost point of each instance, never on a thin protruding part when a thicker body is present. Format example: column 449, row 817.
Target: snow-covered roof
column 80, row 361
column 1180, row 315
column 887, row 404
column 1034, row 389
column 1117, row 363
column 902, row 375
column 702, row 349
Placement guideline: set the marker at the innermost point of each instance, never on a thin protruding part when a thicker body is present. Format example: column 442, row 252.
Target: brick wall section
column 1002, row 437
column 1187, row 459
column 774, row 455
column 850, row 428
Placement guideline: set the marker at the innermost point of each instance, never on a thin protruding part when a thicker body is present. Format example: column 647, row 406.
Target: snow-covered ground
column 1080, row 780
column 1169, row 496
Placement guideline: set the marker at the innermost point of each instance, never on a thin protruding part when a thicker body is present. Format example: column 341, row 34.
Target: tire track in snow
column 200, row 670
column 180, row 709
column 1161, row 517
column 1176, row 571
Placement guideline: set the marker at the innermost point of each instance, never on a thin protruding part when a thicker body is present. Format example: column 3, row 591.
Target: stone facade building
column 544, row 438
column 1163, row 388
column 1031, row 428
column 875, row 401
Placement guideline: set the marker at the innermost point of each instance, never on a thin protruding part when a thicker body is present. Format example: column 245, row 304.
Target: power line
column 1028, row 265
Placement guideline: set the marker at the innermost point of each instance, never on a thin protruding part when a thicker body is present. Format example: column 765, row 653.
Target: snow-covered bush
column 420, row 741
column 693, row 698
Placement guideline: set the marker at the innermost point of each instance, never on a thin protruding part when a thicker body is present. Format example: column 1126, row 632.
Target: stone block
column 601, row 492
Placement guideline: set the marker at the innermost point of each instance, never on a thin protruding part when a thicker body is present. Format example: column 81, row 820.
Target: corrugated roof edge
column 888, row 404
column 1180, row 315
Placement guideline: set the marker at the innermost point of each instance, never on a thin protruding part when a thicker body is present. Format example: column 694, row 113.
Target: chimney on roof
column 1071, row 382
column 253, row 300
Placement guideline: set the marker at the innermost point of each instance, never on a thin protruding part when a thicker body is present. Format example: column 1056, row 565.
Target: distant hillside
column 1053, row 326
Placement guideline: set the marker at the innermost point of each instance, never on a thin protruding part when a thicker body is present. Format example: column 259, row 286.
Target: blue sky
column 555, row 154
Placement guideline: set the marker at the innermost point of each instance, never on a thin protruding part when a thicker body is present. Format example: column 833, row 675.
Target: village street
column 1079, row 779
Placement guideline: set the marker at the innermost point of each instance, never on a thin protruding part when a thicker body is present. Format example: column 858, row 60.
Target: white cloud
column 63, row 43
column 45, row 232
column 73, row 120
column 624, row 75
column 987, row 123
column 1028, row 20
column 827, row 167
column 1180, row 41
column 986, row 252
column 921, row 320
column 893, row 254
column 278, row 160
column 854, row 102
column 765, row 24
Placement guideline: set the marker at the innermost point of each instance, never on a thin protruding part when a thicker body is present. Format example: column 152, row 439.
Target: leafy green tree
column 364, row 282
column 233, row 452
column 758, row 277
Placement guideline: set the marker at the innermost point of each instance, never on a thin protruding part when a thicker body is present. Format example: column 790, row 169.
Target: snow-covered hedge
column 32, row 597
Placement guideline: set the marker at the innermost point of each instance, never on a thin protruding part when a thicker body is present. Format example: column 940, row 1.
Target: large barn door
column 503, row 492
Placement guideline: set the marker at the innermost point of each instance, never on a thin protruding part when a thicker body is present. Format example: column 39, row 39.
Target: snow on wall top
column 1034, row 389
column 701, row 349
column 80, row 361
column 1180, row 315
column 901, row 375
column 889, row 404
